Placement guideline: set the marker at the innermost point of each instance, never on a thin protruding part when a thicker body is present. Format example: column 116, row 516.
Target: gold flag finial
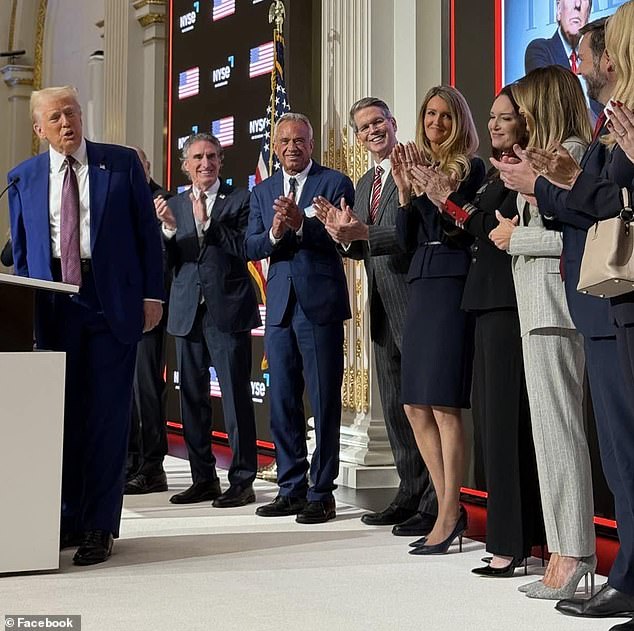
column 277, row 14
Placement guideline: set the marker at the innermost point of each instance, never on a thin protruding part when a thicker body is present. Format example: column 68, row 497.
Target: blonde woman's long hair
column 552, row 101
column 619, row 44
column 454, row 155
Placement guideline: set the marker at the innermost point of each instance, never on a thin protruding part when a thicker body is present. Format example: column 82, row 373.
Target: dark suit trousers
column 230, row 355
column 502, row 419
column 610, row 366
column 99, row 373
column 298, row 350
column 415, row 489
column 148, row 435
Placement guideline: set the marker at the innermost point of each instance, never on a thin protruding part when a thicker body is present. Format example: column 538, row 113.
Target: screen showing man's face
column 572, row 15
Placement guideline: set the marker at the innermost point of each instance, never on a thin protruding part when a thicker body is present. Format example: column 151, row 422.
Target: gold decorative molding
column 139, row 4
column 37, row 61
column 352, row 159
column 14, row 8
column 150, row 19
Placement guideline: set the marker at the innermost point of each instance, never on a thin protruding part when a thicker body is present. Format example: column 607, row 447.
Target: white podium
column 31, row 432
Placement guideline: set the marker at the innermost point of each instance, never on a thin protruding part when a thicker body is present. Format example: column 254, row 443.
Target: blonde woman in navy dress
column 438, row 336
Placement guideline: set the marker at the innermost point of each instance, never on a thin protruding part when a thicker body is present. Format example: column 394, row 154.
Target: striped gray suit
column 554, row 363
column 386, row 266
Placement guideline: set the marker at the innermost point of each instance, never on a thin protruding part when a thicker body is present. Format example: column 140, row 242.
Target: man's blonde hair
column 38, row 97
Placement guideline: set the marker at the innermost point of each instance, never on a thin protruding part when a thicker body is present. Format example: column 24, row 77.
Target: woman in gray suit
column 552, row 347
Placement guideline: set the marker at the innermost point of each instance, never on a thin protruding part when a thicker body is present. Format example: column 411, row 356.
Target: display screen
column 542, row 26
column 220, row 61
column 220, row 57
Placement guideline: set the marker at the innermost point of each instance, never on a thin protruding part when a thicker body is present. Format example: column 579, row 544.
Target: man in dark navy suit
column 613, row 409
column 82, row 213
column 212, row 310
column 307, row 302
column 561, row 48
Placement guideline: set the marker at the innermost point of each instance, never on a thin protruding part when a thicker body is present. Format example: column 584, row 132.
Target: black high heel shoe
column 421, row 542
column 502, row 572
column 443, row 546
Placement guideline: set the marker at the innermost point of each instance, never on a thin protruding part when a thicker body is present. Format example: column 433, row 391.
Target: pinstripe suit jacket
column 386, row 264
column 536, row 251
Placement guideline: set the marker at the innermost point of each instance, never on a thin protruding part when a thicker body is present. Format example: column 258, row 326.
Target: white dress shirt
column 56, row 180
column 211, row 193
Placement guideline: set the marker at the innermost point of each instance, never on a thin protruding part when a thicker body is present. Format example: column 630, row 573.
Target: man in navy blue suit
column 212, row 310
column 561, row 48
column 307, row 302
column 82, row 213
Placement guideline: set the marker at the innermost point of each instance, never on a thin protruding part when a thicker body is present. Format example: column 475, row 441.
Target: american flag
column 261, row 60
column 278, row 105
column 223, row 8
column 214, row 384
column 222, row 129
column 188, row 83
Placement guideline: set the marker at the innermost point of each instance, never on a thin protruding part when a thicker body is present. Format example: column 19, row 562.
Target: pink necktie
column 376, row 194
column 200, row 208
column 69, row 232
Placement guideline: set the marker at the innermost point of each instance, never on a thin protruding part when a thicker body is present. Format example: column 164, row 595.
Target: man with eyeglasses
column 371, row 235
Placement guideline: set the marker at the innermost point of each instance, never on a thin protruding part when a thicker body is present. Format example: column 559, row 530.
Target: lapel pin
column 102, row 166
column 222, row 195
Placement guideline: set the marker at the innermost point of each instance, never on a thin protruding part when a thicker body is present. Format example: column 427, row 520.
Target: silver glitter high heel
column 586, row 566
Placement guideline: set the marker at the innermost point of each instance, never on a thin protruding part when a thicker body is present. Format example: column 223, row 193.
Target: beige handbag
column 607, row 266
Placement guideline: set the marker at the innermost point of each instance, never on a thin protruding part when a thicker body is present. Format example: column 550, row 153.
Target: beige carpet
column 202, row 568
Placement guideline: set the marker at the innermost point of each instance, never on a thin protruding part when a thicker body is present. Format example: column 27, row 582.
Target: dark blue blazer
column 311, row 263
column 543, row 52
column 600, row 198
column 424, row 224
column 217, row 269
column 125, row 242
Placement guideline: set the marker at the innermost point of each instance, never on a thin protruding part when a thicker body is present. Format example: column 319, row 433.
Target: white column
column 94, row 117
column 116, row 23
column 151, row 16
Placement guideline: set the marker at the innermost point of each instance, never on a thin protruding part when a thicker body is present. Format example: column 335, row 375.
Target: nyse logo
column 188, row 21
column 259, row 388
column 220, row 76
column 182, row 139
column 256, row 128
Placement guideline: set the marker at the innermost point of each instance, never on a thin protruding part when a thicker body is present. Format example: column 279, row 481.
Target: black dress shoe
column 625, row 626
column 198, row 492
column 143, row 483
column 606, row 603
column 96, row 547
column 70, row 540
column 281, row 506
column 235, row 496
column 393, row 514
column 418, row 525
column 317, row 512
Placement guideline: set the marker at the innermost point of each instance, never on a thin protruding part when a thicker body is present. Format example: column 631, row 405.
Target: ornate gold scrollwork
column 352, row 159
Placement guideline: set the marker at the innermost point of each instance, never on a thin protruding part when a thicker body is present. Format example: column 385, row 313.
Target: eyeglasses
column 377, row 123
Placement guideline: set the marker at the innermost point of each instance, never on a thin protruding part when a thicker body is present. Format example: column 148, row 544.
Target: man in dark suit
column 371, row 233
column 212, row 310
column 561, row 48
column 593, row 317
column 307, row 302
column 82, row 213
column 147, row 445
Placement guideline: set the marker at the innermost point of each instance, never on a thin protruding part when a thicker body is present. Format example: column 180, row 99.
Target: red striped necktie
column 376, row 194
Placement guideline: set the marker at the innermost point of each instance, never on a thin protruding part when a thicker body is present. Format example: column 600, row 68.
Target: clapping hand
column 516, row 172
column 164, row 213
column 341, row 223
column 439, row 187
column 555, row 163
column 287, row 215
column 621, row 124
